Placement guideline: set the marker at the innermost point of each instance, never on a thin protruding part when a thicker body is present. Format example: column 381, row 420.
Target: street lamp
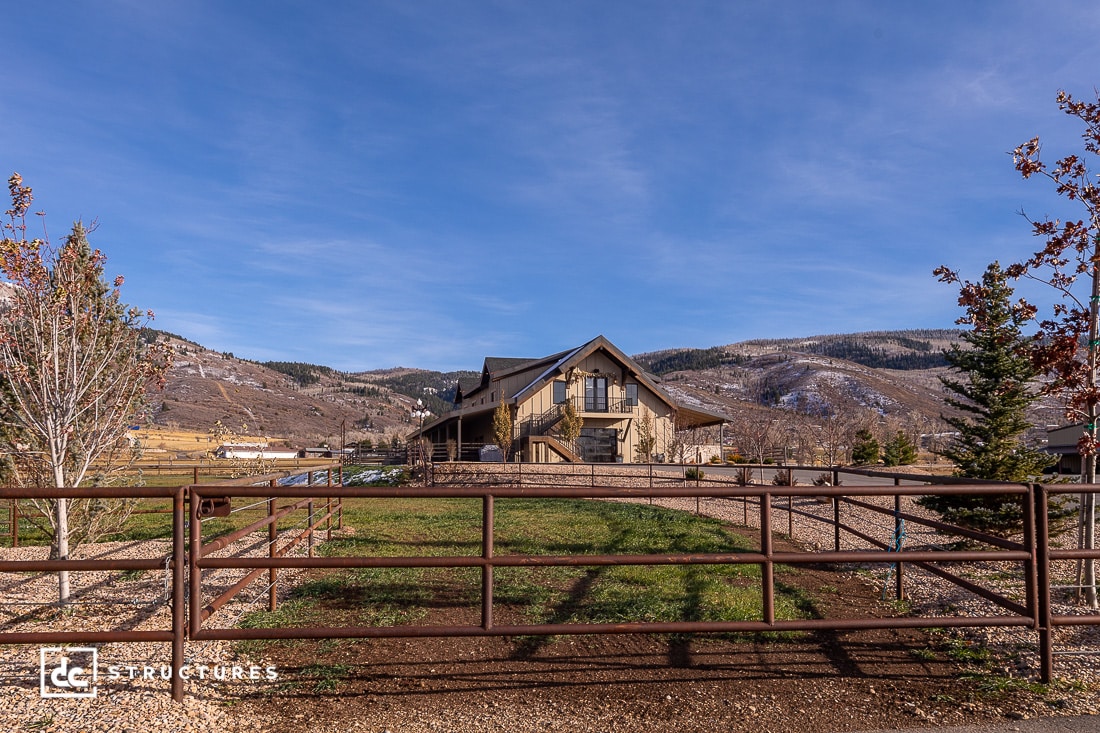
column 421, row 412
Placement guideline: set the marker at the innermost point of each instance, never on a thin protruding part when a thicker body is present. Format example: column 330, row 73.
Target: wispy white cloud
column 399, row 184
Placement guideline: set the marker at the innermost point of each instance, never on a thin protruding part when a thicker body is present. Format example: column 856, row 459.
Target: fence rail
column 322, row 505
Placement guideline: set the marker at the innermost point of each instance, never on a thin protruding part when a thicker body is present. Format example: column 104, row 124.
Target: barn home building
column 616, row 400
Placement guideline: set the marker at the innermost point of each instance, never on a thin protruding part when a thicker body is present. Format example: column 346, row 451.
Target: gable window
column 595, row 394
column 631, row 394
column 559, row 392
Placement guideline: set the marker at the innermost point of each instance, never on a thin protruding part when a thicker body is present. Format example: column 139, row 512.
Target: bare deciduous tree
column 647, row 440
column 835, row 436
column 222, row 436
column 570, row 425
column 75, row 371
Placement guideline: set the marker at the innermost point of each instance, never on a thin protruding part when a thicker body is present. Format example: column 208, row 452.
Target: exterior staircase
column 537, row 430
column 557, row 446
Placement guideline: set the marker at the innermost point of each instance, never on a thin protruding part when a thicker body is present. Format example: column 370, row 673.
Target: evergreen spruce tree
column 865, row 451
column 899, row 451
column 995, row 389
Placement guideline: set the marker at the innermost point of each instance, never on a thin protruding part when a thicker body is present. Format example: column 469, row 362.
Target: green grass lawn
column 154, row 519
column 452, row 527
column 586, row 594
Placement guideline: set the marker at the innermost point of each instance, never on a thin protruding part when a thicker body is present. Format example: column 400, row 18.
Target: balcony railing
column 616, row 407
column 540, row 424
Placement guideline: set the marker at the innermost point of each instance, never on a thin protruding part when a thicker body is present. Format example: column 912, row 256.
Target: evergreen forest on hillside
column 902, row 350
column 303, row 374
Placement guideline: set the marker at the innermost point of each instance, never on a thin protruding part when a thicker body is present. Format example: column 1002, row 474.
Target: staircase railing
column 539, row 424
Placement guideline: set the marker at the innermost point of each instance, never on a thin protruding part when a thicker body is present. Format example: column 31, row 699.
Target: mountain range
column 892, row 377
column 891, row 374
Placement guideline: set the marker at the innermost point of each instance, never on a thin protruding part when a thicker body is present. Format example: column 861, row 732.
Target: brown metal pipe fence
column 175, row 562
column 1028, row 615
column 1034, row 555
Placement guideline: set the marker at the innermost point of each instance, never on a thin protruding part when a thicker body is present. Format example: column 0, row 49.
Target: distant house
column 1062, row 442
column 324, row 452
column 252, row 451
column 616, row 399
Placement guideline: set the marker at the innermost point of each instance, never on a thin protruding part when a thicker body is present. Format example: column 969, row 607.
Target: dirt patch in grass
column 822, row 681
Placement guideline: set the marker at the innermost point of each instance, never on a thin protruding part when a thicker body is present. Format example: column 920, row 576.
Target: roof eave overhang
column 696, row 417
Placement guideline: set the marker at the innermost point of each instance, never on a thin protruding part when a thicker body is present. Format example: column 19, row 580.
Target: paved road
column 1077, row 724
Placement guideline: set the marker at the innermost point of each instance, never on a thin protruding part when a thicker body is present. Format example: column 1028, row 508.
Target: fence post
column 15, row 523
column 178, row 560
column 194, row 613
column 487, row 556
column 899, row 525
column 309, row 525
column 836, row 522
column 272, row 538
column 328, row 513
column 1042, row 566
column 1031, row 580
column 790, row 513
column 767, row 570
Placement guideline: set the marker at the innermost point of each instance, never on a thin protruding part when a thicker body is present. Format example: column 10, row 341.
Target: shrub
column 784, row 478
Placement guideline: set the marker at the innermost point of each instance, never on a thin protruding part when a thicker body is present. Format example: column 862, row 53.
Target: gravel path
column 132, row 691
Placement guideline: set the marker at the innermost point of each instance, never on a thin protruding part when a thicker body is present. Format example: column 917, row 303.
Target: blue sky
column 372, row 184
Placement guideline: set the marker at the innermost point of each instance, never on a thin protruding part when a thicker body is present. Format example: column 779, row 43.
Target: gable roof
column 566, row 360
column 493, row 369
column 555, row 366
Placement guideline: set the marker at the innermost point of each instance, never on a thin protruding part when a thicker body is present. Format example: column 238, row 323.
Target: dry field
column 194, row 443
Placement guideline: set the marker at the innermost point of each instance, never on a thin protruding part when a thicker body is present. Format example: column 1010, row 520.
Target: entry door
column 595, row 394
